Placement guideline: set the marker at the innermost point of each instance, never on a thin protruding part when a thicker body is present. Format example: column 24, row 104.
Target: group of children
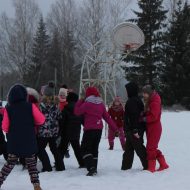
column 31, row 122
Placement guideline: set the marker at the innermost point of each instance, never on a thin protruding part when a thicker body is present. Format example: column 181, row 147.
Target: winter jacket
column 70, row 123
column 51, row 126
column 20, row 118
column 133, row 109
column 93, row 111
column 153, row 115
column 117, row 116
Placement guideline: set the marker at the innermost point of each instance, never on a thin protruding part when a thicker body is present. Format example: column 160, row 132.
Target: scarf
column 94, row 100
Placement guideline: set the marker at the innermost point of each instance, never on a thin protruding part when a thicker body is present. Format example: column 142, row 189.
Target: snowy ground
column 174, row 143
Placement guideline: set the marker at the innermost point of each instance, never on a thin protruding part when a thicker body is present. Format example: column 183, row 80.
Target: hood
column 17, row 93
column 92, row 91
column 132, row 89
column 33, row 95
column 72, row 97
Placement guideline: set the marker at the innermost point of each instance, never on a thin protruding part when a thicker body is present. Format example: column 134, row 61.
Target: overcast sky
column 6, row 5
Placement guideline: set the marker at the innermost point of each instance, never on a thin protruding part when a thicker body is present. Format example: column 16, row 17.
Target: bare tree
column 63, row 18
column 18, row 34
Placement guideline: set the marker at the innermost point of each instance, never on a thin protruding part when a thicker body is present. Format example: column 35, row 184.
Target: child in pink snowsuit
column 116, row 112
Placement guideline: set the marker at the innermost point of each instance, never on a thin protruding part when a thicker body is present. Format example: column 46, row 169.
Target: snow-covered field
column 175, row 142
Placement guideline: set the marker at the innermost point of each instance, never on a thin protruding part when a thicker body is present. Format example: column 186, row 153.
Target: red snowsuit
column 118, row 118
column 153, row 127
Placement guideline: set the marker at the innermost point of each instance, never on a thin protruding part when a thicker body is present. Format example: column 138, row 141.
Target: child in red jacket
column 153, row 111
column 116, row 112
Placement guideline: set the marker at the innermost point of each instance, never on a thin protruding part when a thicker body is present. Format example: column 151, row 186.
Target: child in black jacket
column 134, row 129
column 71, row 125
column 20, row 121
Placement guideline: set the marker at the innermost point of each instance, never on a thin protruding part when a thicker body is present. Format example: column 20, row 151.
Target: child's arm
column 154, row 112
column 2, row 110
column 5, row 122
column 39, row 118
column 80, row 108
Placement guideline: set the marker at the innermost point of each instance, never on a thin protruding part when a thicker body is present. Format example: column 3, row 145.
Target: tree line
column 34, row 49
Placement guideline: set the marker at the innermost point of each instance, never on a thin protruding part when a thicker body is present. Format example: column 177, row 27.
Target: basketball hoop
column 128, row 37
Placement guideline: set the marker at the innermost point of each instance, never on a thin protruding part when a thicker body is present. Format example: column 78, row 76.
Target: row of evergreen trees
column 49, row 57
column 164, row 59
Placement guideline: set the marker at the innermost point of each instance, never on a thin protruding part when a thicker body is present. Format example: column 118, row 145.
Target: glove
column 136, row 134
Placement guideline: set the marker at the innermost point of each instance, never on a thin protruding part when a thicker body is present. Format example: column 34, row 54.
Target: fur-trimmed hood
column 33, row 94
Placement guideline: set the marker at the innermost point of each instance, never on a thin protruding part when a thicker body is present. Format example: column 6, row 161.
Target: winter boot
column 96, row 163
column 151, row 166
column 37, row 187
column 92, row 172
column 111, row 147
column 163, row 164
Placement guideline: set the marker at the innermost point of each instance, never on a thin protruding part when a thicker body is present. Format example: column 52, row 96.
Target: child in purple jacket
column 93, row 110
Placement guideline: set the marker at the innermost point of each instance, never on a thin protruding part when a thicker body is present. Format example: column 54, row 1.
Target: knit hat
column 49, row 90
column 33, row 95
column 63, row 92
column 148, row 89
column 92, row 91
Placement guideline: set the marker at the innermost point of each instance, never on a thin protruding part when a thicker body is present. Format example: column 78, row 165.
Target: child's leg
column 42, row 154
column 122, row 137
column 77, row 150
column 32, row 169
column 8, row 167
column 59, row 163
column 95, row 148
column 86, row 148
column 128, row 155
column 111, row 137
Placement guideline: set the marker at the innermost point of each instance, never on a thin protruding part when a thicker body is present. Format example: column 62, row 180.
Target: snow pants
column 12, row 161
column 63, row 147
column 111, row 137
column 153, row 137
column 43, row 156
column 90, row 145
column 133, row 145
